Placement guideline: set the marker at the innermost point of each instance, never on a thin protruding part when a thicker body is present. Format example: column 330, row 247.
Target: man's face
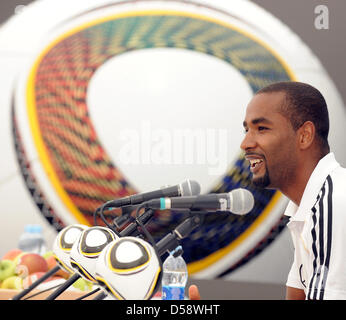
column 270, row 141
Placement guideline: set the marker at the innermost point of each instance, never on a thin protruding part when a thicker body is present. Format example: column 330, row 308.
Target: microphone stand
column 172, row 239
column 100, row 296
column 64, row 286
column 131, row 229
column 89, row 294
column 125, row 216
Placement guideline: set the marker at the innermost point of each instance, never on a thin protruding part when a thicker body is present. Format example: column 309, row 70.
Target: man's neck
column 295, row 191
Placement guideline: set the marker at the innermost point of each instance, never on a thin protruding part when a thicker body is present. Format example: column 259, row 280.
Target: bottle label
column 173, row 293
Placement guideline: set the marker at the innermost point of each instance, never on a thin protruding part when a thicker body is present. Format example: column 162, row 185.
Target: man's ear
column 306, row 135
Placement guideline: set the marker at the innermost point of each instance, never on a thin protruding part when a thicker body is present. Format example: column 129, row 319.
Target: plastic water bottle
column 174, row 277
column 32, row 240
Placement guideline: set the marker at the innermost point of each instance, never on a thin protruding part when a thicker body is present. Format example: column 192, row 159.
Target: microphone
column 186, row 188
column 129, row 203
column 238, row 201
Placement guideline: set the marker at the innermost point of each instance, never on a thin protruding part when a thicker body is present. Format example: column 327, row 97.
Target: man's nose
column 248, row 142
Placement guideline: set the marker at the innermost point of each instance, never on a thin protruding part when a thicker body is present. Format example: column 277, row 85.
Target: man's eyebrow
column 257, row 121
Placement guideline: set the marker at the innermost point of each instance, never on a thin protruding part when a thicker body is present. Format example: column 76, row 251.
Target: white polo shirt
column 318, row 230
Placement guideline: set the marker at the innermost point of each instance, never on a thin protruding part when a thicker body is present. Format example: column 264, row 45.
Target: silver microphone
column 238, row 201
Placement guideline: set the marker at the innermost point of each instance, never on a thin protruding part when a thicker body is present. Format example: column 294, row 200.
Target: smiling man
column 266, row 130
column 286, row 143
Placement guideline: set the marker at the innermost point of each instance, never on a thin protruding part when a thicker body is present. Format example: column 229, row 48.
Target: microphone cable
column 100, row 211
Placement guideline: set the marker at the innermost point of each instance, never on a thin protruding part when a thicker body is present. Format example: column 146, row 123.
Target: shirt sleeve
column 327, row 278
column 293, row 279
column 332, row 271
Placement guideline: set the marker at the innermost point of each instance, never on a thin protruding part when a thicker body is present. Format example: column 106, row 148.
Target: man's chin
column 262, row 182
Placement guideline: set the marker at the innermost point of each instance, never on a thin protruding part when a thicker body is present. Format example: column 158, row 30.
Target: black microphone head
column 241, row 201
column 190, row 188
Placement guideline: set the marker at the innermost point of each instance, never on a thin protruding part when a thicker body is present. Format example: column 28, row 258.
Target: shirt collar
column 316, row 180
column 291, row 209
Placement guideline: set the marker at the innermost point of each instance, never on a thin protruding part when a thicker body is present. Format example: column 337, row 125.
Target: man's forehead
column 266, row 103
column 268, row 99
column 264, row 106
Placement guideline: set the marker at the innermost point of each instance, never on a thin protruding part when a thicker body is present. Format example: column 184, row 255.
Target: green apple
column 7, row 269
column 83, row 285
column 13, row 282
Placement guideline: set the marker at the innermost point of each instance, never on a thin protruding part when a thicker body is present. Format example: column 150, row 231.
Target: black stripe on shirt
column 314, row 241
column 323, row 256
column 329, row 235
column 321, row 242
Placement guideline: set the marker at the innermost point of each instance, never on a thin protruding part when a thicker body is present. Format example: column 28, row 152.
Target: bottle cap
column 33, row 228
column 28, row 228
column 37, row 228
column 178, row 251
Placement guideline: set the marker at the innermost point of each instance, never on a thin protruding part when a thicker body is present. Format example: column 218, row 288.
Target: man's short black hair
column 303, row 103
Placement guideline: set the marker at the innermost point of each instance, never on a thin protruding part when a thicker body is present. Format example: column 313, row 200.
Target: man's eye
column 262, row 128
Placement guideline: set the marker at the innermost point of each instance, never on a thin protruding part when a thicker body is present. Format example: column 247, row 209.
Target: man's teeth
column 254, row 162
